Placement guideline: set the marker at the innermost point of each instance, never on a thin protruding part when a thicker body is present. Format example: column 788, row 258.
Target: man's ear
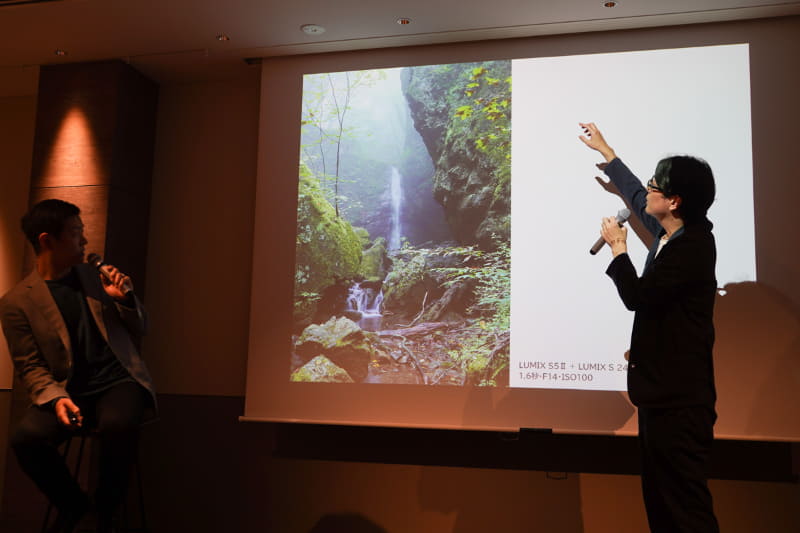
column 45, row 241
column 674, row 202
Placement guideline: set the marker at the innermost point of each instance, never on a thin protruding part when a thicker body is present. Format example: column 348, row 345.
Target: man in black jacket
column 74, row 339
column 670, row 369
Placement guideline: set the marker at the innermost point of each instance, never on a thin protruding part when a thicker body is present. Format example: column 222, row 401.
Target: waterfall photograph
column 402, row 266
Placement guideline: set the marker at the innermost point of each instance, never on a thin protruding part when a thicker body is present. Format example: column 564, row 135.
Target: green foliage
column 475, row 348
column 464, row 112
column 492, row 272
column 327, row 246
column 363, row 235
column 490, row 107
column 474, row 356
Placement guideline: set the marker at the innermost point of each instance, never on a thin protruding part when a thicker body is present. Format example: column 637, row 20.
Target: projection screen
column 437, row 217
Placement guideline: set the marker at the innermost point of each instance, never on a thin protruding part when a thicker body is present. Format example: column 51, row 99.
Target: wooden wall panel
column 75, row 123
column 95, row 136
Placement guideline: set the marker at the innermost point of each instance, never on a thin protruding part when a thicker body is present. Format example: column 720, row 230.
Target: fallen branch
column 421, row 329
column 419, row 315
column 413, row 358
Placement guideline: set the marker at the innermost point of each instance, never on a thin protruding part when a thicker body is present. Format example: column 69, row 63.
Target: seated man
column 74, row 338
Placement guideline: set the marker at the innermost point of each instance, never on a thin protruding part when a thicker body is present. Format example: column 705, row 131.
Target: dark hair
column 690, row 178
column 47, row 216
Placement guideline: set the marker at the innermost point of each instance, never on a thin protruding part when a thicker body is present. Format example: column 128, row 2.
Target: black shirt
column 95, row 367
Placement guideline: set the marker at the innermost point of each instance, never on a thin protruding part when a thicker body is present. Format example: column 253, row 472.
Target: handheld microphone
column 96, row 261
column 622, row 216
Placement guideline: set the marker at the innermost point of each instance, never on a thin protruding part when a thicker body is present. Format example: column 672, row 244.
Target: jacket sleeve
column 134, row 317
column 682, row 263
column 31, row 367
column 633, row 191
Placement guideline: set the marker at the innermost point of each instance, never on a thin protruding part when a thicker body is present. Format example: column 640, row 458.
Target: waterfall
column 397, row 200
column 367, row 304
column 364, row 301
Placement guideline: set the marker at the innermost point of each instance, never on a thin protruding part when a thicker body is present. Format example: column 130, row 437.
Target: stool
column 125, row 526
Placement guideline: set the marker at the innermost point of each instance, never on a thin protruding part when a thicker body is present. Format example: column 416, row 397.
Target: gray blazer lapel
column 40, row 296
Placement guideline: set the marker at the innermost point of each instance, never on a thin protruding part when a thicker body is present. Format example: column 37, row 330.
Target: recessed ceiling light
column 223, row 37
column 59, row 52
column 403, row 21
column 312, row 29
column 610, row 3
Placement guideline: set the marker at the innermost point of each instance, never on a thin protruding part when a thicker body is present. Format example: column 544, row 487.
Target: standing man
column 670, row 369
column 74, row 338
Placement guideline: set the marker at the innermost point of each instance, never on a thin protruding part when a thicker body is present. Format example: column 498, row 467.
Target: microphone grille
column 623, row 214
column 94, row 259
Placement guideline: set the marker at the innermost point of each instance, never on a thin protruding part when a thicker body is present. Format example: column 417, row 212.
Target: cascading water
column 368, row 304
column 396, row 191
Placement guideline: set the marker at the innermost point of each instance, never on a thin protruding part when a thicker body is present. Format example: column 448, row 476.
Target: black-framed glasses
column 652, row 187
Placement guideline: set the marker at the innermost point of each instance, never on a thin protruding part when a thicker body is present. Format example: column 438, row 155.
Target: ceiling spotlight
column 59, row 52
column 403, row 21
column 610, row 3
column 312, row 29
column 223, row 37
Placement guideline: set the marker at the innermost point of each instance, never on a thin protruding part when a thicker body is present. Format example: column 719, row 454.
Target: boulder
column 374, row 261
column 340, row 340
column 320, row 369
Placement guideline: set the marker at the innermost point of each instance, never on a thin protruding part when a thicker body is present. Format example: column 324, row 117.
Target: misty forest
column 403, row 226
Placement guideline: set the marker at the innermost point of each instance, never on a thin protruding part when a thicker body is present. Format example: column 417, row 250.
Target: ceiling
column 176, row 40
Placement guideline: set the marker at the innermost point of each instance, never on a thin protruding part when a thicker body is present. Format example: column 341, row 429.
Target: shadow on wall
column 346, row 523
column 757, row 362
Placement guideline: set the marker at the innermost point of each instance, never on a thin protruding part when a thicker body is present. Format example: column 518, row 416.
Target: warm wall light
column 73, row 158
column 59, row 52
column 223, row 37
column 403, row 21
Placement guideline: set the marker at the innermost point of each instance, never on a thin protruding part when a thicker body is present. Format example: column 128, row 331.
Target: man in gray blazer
column 74, row 338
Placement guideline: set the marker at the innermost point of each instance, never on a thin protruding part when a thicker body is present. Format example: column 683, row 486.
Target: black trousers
column 115, row 414
column 675, row 445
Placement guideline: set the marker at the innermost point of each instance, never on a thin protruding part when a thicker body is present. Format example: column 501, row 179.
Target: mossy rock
column 328, row 248
column 321, row 370
column 373, row 261
column 404, row 286
column 340, row 340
